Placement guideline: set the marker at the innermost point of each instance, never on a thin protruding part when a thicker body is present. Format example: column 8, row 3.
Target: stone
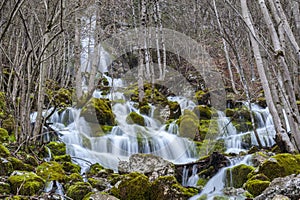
column 256, row 187
column 237, row 176
column 280, row 197
column 6, row 168
column 151, row 165
column 79, row 190
column 99, row 196
column 25, row 183
column 288, row 186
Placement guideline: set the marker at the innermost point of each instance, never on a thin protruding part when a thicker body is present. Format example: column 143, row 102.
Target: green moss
column 4, row 152
column 4, row 188
column 280, row 165
column 202, row 182
column 29, row 159
column 167, row 187
column 19, row 165
column 6, row 168
column 73, row 178
column 51, row 171
column 62, row 158
column 188, row 124
column 134, row 186
column 261, row 177
column 71, row 167
column 237, row 176
column 57, row 148
column 220, row 198
column 94, row 169
column 202, row 97
column 97, row 183
column 145, row 109
column 256, row 187
column 175, row 110
column 26, row 183
column 135, row 118
column 98, row 111
column 3, row 135
column 203, row 112
column 79, row 190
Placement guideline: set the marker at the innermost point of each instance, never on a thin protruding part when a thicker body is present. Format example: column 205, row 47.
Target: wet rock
column 99, row 196
column 288, row 186
column 150, row 165
column 25, row 183
column 79, row 190
column 133, row 186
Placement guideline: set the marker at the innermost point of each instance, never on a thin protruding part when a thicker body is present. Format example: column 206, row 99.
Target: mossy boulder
column 188, row 125
column 134, row 186
column 71, row 167
column 237, row 176
column 135, row 118
column 97, row 183
column 280, row 165
column 63, row 97
column 72, row 179
column 4, row 188
column 79, row 190
column 145, row 109
column 202, row 97
column 6, row 168
column 20, row 165
column 3, row 135
column 26, row 183
column 204, row 112
column 175, row 110
column 62, row 158
column 51, row 171
column 94, row 170
column 57, row 148
column 98, row 111
column 167, row 187
column 256, row 187
column 4, row 152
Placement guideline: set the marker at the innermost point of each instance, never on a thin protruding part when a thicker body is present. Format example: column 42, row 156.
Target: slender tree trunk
column 77, row 54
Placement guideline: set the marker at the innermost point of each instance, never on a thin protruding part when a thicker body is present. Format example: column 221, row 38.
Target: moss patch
column 94, row 169
column 6, row 168
column 57, row 148
column 27, row 183
column 135, row 118
column 79, row 190
column 3, row 135
column 51, row 171
column 237, row 175
column 4, row 188
column 256, row 187
column 19, row 165
column 4, row 152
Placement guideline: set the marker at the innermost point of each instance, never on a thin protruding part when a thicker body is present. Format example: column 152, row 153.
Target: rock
column 135, row 118
column 288, row 186
column 203, row 112
column 52, row 171
column 256, row 187
column 94, row 169
column 237, row 176
column 188, row 125
column 202, row 97
column 148, row 164
column 79, row 190
column 4, row 152
column 19, row 165
column 98, row 111
column 99, row 196
column 25, row 183
column 133, row 186
column 175, row 110
column 167, row 187
column 98, row 183
column 280, row 165
column 145, row 109
column 57, row 148
column 280, row 197
column 6, row 168
column 71, row 167
column 258, row 158
column 62, row 158
column 3, row 135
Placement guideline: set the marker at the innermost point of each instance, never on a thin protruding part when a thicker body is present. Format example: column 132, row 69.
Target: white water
column 215, row 185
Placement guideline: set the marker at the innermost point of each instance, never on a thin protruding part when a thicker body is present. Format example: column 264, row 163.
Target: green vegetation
column 56, row 148
column 237, row 176
column 256, row 187
column 135, row 118
column 52, row 171
column 79, row 190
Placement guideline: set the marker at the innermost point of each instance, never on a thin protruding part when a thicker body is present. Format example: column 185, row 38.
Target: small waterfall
column 216, row 184
column 183, row 102
column 54, row 187
column 193, row 179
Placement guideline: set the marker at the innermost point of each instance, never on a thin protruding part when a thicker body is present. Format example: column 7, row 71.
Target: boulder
column 79, row 190
column 52, row 171
column 57, row 148
column 25, row 183
column 237, row 175
column 288, row 186
column 99, row 196
column 135, row 118
column 148, row 164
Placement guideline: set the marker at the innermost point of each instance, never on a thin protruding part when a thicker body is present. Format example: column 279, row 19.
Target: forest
column 149, row 99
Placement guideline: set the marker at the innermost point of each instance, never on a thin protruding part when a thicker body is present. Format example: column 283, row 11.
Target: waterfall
column 193, row 179
column 215, row 185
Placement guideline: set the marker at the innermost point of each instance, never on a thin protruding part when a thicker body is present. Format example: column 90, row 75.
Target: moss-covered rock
column 134, row 186
column 20, row 165
column 79, row 190
column 256, row 187
column 280, row 165
column 94, row 169
column 188, row 125
column 135, row 118
column 145, row 109
column 71, row 167
column 72, row 179
column 4, row 188
column 31, row 160
column 237, row 176
column 97, row 183
column 202, row 97
column 98, row 111
column 202, row 182
column 51, row 171
column 25, row 183
column 6, row 168
column 203, row 112
column 3, row 135
column 4, row 152
column 57, row 148
column 167, row 187
column 175, row 110
column 62, row 158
